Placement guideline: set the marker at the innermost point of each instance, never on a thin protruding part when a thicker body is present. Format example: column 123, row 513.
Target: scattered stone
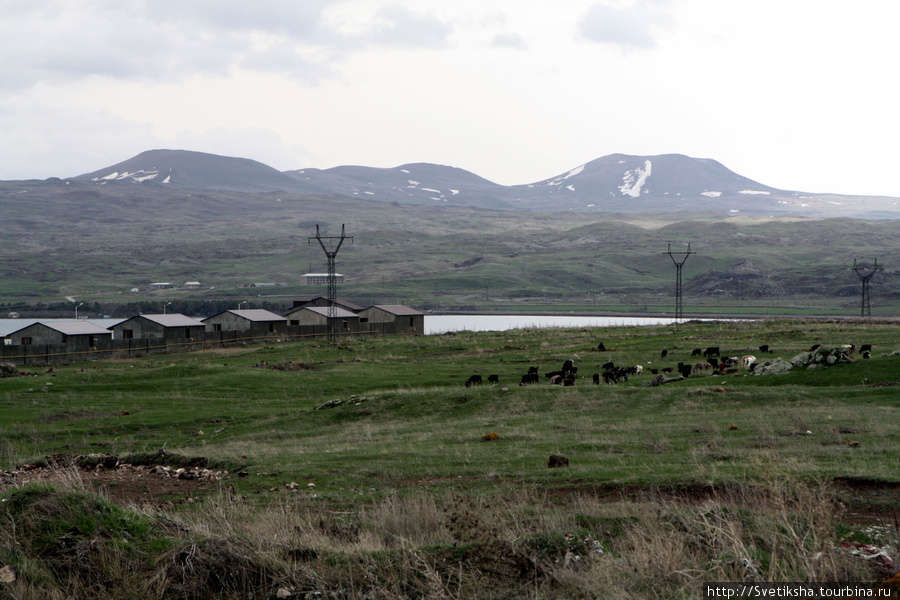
column 292, row 486
column 8, row 574
column 556, row 461
column 9, row 370
column 773, row 367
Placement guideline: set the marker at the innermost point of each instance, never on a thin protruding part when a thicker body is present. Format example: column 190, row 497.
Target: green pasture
column 400, row 416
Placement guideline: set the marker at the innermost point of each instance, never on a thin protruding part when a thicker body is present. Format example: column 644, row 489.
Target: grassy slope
column 410, row 502
column 412, row 417
column 98, row 245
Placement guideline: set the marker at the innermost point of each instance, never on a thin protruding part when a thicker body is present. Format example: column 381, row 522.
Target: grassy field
column 403, row 491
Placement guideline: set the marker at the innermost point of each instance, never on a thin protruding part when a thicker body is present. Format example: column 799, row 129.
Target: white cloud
column 632, row 26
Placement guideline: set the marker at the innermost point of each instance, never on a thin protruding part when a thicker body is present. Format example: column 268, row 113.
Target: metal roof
column 323, row 310
column 75, row 327
column 172, row 320
column 398, row 309
column 257, row 314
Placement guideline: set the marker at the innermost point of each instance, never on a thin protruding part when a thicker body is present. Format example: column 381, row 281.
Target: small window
column 295, row 322
column 128, row 334
column 26, row 341
column 217, row 327
column 92, row 340
column 364, row 319
column 271, row 327
column 412, row 322
column 187, row 332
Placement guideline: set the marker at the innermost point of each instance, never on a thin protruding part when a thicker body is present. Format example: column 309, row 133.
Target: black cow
column 601, row 347
column 684, row 370
column 609, row 366
column 493, row 379
column 711, row 351
column 664, row 353
column 530, row 378
column 568, row 366
column 596, row 378
column 473, row 380
column 764, row 348
column 866, row 348
column 697, row 352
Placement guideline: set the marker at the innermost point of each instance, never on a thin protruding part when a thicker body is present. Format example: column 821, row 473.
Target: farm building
column 321, row 301
column 252, row 321
column 171, row 328
column 318, row 315
column 320, row 278
column 76, row 336
column 403, row 318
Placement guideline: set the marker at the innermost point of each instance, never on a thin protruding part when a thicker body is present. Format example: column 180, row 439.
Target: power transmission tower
column 330, row 254
column 865, row 275
column 682, row 256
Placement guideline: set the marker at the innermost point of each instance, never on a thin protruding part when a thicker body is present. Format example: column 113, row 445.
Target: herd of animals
column 711, row 363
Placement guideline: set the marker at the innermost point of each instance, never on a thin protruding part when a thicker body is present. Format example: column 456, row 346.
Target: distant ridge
column 618, row 183
column 196, row 170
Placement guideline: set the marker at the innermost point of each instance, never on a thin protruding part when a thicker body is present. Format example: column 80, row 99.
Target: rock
column 773, row 367
column 9, row 370
column 8, row 574
column 292, row 486
column 556, row 461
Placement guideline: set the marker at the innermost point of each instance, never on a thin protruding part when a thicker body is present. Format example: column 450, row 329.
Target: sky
column 795, row 94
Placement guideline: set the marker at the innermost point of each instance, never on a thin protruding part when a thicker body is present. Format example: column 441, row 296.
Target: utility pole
column 865, row 275
column 331, row 249
column 678, row 258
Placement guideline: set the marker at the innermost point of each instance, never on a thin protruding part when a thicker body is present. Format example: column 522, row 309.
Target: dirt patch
column 126, row 484
column 285, row 366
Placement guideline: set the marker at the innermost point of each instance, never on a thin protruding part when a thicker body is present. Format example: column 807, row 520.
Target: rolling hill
column 615, row 183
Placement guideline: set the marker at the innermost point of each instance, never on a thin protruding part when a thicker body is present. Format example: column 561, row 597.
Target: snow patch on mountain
column 634, row 180
column 137, row 176
column 750, row 192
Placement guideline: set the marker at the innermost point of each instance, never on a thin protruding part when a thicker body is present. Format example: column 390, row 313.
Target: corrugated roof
column 257, row 314
column 323, row 310
column 399, row 310
column 173, row 320
column 76, row 327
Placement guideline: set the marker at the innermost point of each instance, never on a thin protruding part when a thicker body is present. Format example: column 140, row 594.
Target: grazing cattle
column 696, row 352
column 714, row 363
column 865, row 348
column 529, row 378
column 867, row 354
column 638, row 369
column 711, row 351
column 473, row 380
column 601, row 347
column 493, row 379
column 569, row 380
column 596, row 378
column 664, row 353
column 608, row 366
column 748, row 360
column 556, row 380
column 700, row 367
column 684, row 370
column 568, row 365
column 764, row 348
column 654, row 371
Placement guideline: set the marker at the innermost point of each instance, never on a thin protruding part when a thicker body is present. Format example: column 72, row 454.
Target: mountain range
column 616, row 183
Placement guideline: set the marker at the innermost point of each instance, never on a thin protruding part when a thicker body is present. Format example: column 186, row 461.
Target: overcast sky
column 795, row 94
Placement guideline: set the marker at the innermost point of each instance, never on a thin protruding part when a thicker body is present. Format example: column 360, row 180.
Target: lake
column 436, row 324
